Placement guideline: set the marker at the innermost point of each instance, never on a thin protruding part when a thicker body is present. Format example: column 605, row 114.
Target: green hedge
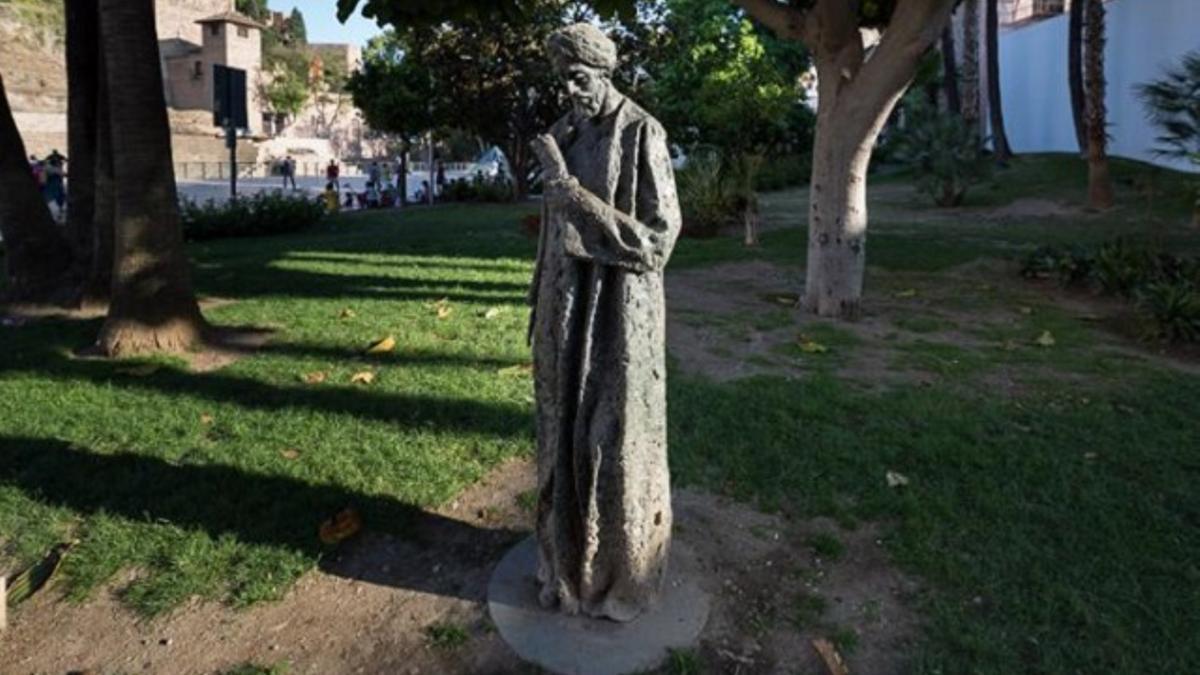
column 264, row 213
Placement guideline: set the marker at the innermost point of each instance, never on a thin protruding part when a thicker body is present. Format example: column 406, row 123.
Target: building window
column 243, row 31
column 198, row 70
column 214, row 28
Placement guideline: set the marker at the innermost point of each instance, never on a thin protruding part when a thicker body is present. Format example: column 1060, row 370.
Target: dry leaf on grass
column 1025, row 310
column 493, row 312
column 365, row 377
column 315, row 377
column 289, row 453
column 383, row 346
column 830, row 656
column 907, row 293
column 1046, row 339
column 34, row 578
column 341, row 527
column 811, row 346
column 206, row 419
column 896, row 479
column 444, row 311
column 347, row 314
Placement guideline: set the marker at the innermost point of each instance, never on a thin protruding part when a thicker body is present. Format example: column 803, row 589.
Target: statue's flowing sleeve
column 639, row 242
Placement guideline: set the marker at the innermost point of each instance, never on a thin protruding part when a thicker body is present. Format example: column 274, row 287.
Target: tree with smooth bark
column 38, row 261
column 950, row 71
column 999, row 136
column 153, row 306
column 1100, row 187
column 856, row 96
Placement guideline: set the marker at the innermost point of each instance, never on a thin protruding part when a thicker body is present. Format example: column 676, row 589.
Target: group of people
column 50, row 174
column 385, row 180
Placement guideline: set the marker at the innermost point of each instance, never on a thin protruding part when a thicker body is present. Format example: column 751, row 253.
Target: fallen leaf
column 516, row 371
column 907, row 293
column 206, row 419
column 315, row 377
column 1010, row 345
column 383, row 346
column 341, row 527
column 1090, row 456
column 35, row 577
column 144, row 370
column 811, row 346
column 347, row 314
column 1092, row 318
column 829, row 654
column 289, row 453
column 1025, row 310
column 1045, row 339
column 365, row 377
column 895, row 479
column 493, row 312
column 444, row 311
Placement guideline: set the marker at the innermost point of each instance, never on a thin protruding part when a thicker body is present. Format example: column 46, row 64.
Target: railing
column 209, row 170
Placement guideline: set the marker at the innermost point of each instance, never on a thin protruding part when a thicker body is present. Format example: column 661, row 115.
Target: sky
column 320, row 18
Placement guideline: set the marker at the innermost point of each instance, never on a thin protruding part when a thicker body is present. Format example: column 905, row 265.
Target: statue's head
column 584, row 58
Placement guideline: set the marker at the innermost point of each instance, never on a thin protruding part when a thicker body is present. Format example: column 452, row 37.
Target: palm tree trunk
column 98, row 283
column 82, row 84
column 950, row 71
column 153, row 306
column 995, row 105
column 1100, row 188
column 970, row 64
column 37, row 260
column 1075, row 73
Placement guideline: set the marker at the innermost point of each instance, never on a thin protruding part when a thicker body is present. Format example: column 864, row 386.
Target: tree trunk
column 83, row 49
column 970, row 64
column 404, row 175
column 1075, row 73
column 519, row 160
column 98, row 284
column 1100, row 188
column 37, row 260
column 153, row 306
column 995, row 106
column 950, row 71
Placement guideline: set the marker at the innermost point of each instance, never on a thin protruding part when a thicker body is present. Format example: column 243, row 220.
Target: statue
column 609, row 223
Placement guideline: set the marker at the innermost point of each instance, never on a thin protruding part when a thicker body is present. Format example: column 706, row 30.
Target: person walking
column 332, row 172
column 54, row 172
column 288, row 169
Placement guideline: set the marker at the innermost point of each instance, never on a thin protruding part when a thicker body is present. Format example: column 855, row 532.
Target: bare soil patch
column 371, row 605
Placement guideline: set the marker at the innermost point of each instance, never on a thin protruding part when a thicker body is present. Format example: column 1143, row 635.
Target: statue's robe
column 598, row 331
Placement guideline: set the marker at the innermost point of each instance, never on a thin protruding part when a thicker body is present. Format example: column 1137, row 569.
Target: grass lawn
column 1056, row 528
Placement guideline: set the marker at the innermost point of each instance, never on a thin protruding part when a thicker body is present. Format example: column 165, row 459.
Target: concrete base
column 570, row 645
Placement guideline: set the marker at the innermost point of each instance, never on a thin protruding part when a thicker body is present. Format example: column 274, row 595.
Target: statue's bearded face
column 587, row 87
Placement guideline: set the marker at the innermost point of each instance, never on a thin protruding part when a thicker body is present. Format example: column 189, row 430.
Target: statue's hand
column 561, row 192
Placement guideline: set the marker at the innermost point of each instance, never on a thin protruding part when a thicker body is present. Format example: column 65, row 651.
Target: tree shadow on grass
column 259, row 509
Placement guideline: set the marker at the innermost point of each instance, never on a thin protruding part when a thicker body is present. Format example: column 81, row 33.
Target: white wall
column 1144, row 37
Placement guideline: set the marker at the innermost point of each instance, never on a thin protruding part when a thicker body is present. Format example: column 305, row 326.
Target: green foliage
column 287, row 91
column 447, row 636
column 704, row 195
column 40, row 17
column 296, row 27
column 476, row 190
column 943, row 152
column 255, row 9
column 264, row 213
column 716, row 79
column 1170, row 310
column 783, row 172
column 1173, row 104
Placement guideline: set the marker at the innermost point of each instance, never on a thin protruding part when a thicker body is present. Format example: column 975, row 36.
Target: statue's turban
column 582, row 43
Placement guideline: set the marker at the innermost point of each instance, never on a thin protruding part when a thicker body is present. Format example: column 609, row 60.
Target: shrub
column 1072, row 267
column 703, row 196
column 944, row 153
column 1170, row 310
column 264, row 213
column 477, row 190
column 781, row 173
column 1121, row 266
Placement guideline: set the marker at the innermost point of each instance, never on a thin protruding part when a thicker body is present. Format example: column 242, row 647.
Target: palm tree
column 995, row 107
column 1100, row 188
column 950, row 70
column 153, row 305
column 1075, row 72
column 1173, row 104
column 38, row 258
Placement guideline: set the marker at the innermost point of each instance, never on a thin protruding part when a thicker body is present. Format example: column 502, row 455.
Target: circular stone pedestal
column 573, row 645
